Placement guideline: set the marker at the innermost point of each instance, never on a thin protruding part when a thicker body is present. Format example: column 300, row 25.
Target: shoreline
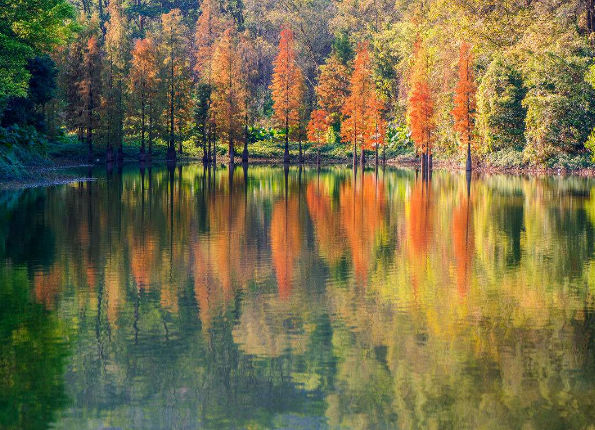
column 54, row 174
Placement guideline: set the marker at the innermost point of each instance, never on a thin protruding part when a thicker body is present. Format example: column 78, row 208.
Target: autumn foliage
column 229, row 88
column 333, row 87
column 464, row 99
column 356, row 107
column 287, row 87
column 420, row 107
column 317, row 129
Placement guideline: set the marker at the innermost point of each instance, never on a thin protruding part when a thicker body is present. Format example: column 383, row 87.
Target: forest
column 507, row 83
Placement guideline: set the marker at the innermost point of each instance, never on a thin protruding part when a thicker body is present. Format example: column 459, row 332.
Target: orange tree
column 420, row 109
column 229, row 91
column 464, row 100
column 355, row 108
column 287, row 87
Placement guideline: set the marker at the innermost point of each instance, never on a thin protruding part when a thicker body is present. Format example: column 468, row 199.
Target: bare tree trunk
column 286, row 154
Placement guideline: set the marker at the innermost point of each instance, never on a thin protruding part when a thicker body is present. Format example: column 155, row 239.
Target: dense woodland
column 506, row 82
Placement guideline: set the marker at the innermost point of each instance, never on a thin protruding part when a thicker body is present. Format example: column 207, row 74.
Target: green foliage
column 560, row 105
column 501, row 115
column 343, row 47
column 28, row 27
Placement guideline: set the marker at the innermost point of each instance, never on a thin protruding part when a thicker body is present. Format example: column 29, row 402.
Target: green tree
column 28, row 28
column 501, row 114
column 560, row 105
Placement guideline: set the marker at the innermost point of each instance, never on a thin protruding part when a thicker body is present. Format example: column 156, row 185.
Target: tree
column 317, row 129
column 500, row 111
column 177, row 76
column 464, row 100
column 28, row 29
column 115, row 64
column 355, row 108
column 249, row 83
column 420, row 109
column 31, row 110
column 229, row 92
column 202, row 108
column 375, row 134
column 210, row 26
column 560, row 104
column 89, row 89
column 287, row 87
column 333, row 87
column 144, row 80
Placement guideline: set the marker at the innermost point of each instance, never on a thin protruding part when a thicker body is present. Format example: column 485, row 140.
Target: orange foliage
column 356, row 106
column 420, row 218
column 47, row 286
column 318, row 126
column 286, row 242
column 209, row 27
column 362, row 209
column 375, row 134
column 420, row 103
column 229, row 95
column 287, row 86
column 333, row 86
column 464, row 99
column 326, row 222
column 463, row 243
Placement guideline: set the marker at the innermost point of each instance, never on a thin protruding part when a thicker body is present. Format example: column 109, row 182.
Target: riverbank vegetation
column 507, row 83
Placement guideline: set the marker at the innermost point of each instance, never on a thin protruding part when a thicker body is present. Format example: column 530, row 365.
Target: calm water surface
column 192, row 298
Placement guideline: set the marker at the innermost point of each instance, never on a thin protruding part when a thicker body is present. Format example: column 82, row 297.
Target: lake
column 193, row 298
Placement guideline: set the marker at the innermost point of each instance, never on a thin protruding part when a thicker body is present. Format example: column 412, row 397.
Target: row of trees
column 363, row 75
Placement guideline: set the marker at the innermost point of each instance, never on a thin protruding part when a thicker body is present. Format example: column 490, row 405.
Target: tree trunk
column 469, row 167
column 301, row 158
column 286, row 154
column 377, row 156
column 384, row 155
column 231, row 152
column 245, row 152
column 318, row 157
column 363, row 158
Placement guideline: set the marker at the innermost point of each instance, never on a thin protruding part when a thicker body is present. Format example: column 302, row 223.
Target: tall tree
column 90, row 91
column 115, row 64
column 317, row 129
column 143, row 84
column 177, row 76
column 420, row 109
column 229, row 92
column 464, row 100
column 355, row 108
column 249, row 83
column 287, row 87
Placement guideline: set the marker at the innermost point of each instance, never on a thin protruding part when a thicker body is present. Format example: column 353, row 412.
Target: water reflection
column 201, row 297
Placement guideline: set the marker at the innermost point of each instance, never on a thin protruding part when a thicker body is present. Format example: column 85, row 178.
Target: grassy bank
column 35, row 159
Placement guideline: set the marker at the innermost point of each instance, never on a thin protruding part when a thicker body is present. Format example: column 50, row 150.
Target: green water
column 192, row 298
